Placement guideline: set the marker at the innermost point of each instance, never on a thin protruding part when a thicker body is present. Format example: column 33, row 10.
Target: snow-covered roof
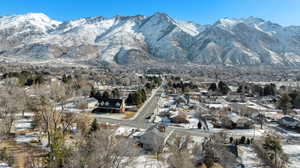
column 234, row 117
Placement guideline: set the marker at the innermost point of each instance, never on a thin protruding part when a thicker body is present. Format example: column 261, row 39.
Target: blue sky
column 285, row 12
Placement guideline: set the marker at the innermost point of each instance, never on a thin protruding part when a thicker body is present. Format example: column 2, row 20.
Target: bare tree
column 67, row 122
column 20, row 100
column 83, row 123
column 9, row 106
column 215, row 150
column 103, row 150
column 180, row 155
column 47, row 117
column 59, row 93
column 7, row 114
column 2, row 130
column 49, row 106
column 157, row 145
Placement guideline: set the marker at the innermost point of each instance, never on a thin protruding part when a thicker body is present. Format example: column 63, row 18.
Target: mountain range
column 142, row 39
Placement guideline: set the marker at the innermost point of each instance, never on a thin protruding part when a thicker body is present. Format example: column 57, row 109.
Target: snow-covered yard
column 168, row 104
column 124, row 131
column 246, row 132
column 27, row 137
column 147, row 161
column 291, row 144
column 23, row 124
column 4, row 165
column 117, row 116
column 293, row 151
column 249, row 157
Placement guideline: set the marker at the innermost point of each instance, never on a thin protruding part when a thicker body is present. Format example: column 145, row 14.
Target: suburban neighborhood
column 162, row 116
column 150, row 84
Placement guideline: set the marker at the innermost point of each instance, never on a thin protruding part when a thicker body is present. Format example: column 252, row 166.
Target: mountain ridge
column 147, row 39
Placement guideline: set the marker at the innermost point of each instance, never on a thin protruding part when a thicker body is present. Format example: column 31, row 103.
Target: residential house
column 110, row 106
column 233, row 120
column 91, row 102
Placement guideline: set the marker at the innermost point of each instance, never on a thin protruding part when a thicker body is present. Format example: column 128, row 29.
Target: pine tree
column 129, row 99
column 223, row 88
column 213, row 87
column 296, row 102
column 105, row 95
column 94, row 126
column 115, row 93
column 284, row 103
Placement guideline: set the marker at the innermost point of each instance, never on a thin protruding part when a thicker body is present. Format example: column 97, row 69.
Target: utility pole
column 243, row 91
column 261, row 118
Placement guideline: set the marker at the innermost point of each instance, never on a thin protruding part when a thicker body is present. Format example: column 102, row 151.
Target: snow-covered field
column 27, row 137
column 293, row 151
column 125, row 131
column 117, row 116
column 4, row 165
column 249, row 157
column 23, row 124
column 291, row 144
column 246, row 132
column 146, row 161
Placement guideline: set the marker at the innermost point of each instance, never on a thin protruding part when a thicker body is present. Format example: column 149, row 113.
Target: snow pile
column 4, row 165
column 293, row 151
column 27, row 138
column 249, row 158
column 23, row 124
column 124, row 131
column 145, row 161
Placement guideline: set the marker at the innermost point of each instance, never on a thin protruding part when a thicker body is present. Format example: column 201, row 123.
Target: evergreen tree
column 242, row 88
column 258, row 90
column 93, row 92
column 284, row 103
column 138, row 98
column 105, row 95
column 170, row 83
column 94, row 126
column 144, row 95
column 273, row 144
column 223, row 88
column 213, row 87
column 129, row 99
column 66, row 78
column 115, row 93
column 296, row 102
column 270, row 90
column 148, row 86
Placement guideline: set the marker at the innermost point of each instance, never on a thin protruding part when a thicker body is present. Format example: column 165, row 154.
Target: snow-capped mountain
column 141, row 39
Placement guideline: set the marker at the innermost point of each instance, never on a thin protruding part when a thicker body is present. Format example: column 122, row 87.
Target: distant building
column 181, row 99
column 110, row 106
column 91, row 103
column 232, row 121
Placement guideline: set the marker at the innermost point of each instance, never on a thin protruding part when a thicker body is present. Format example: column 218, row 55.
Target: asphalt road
column 141, row 121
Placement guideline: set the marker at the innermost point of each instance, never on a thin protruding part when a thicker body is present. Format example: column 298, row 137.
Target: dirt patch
column 129, row 115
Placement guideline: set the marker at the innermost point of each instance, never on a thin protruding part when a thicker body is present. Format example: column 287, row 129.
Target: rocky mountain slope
column 140, row 39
